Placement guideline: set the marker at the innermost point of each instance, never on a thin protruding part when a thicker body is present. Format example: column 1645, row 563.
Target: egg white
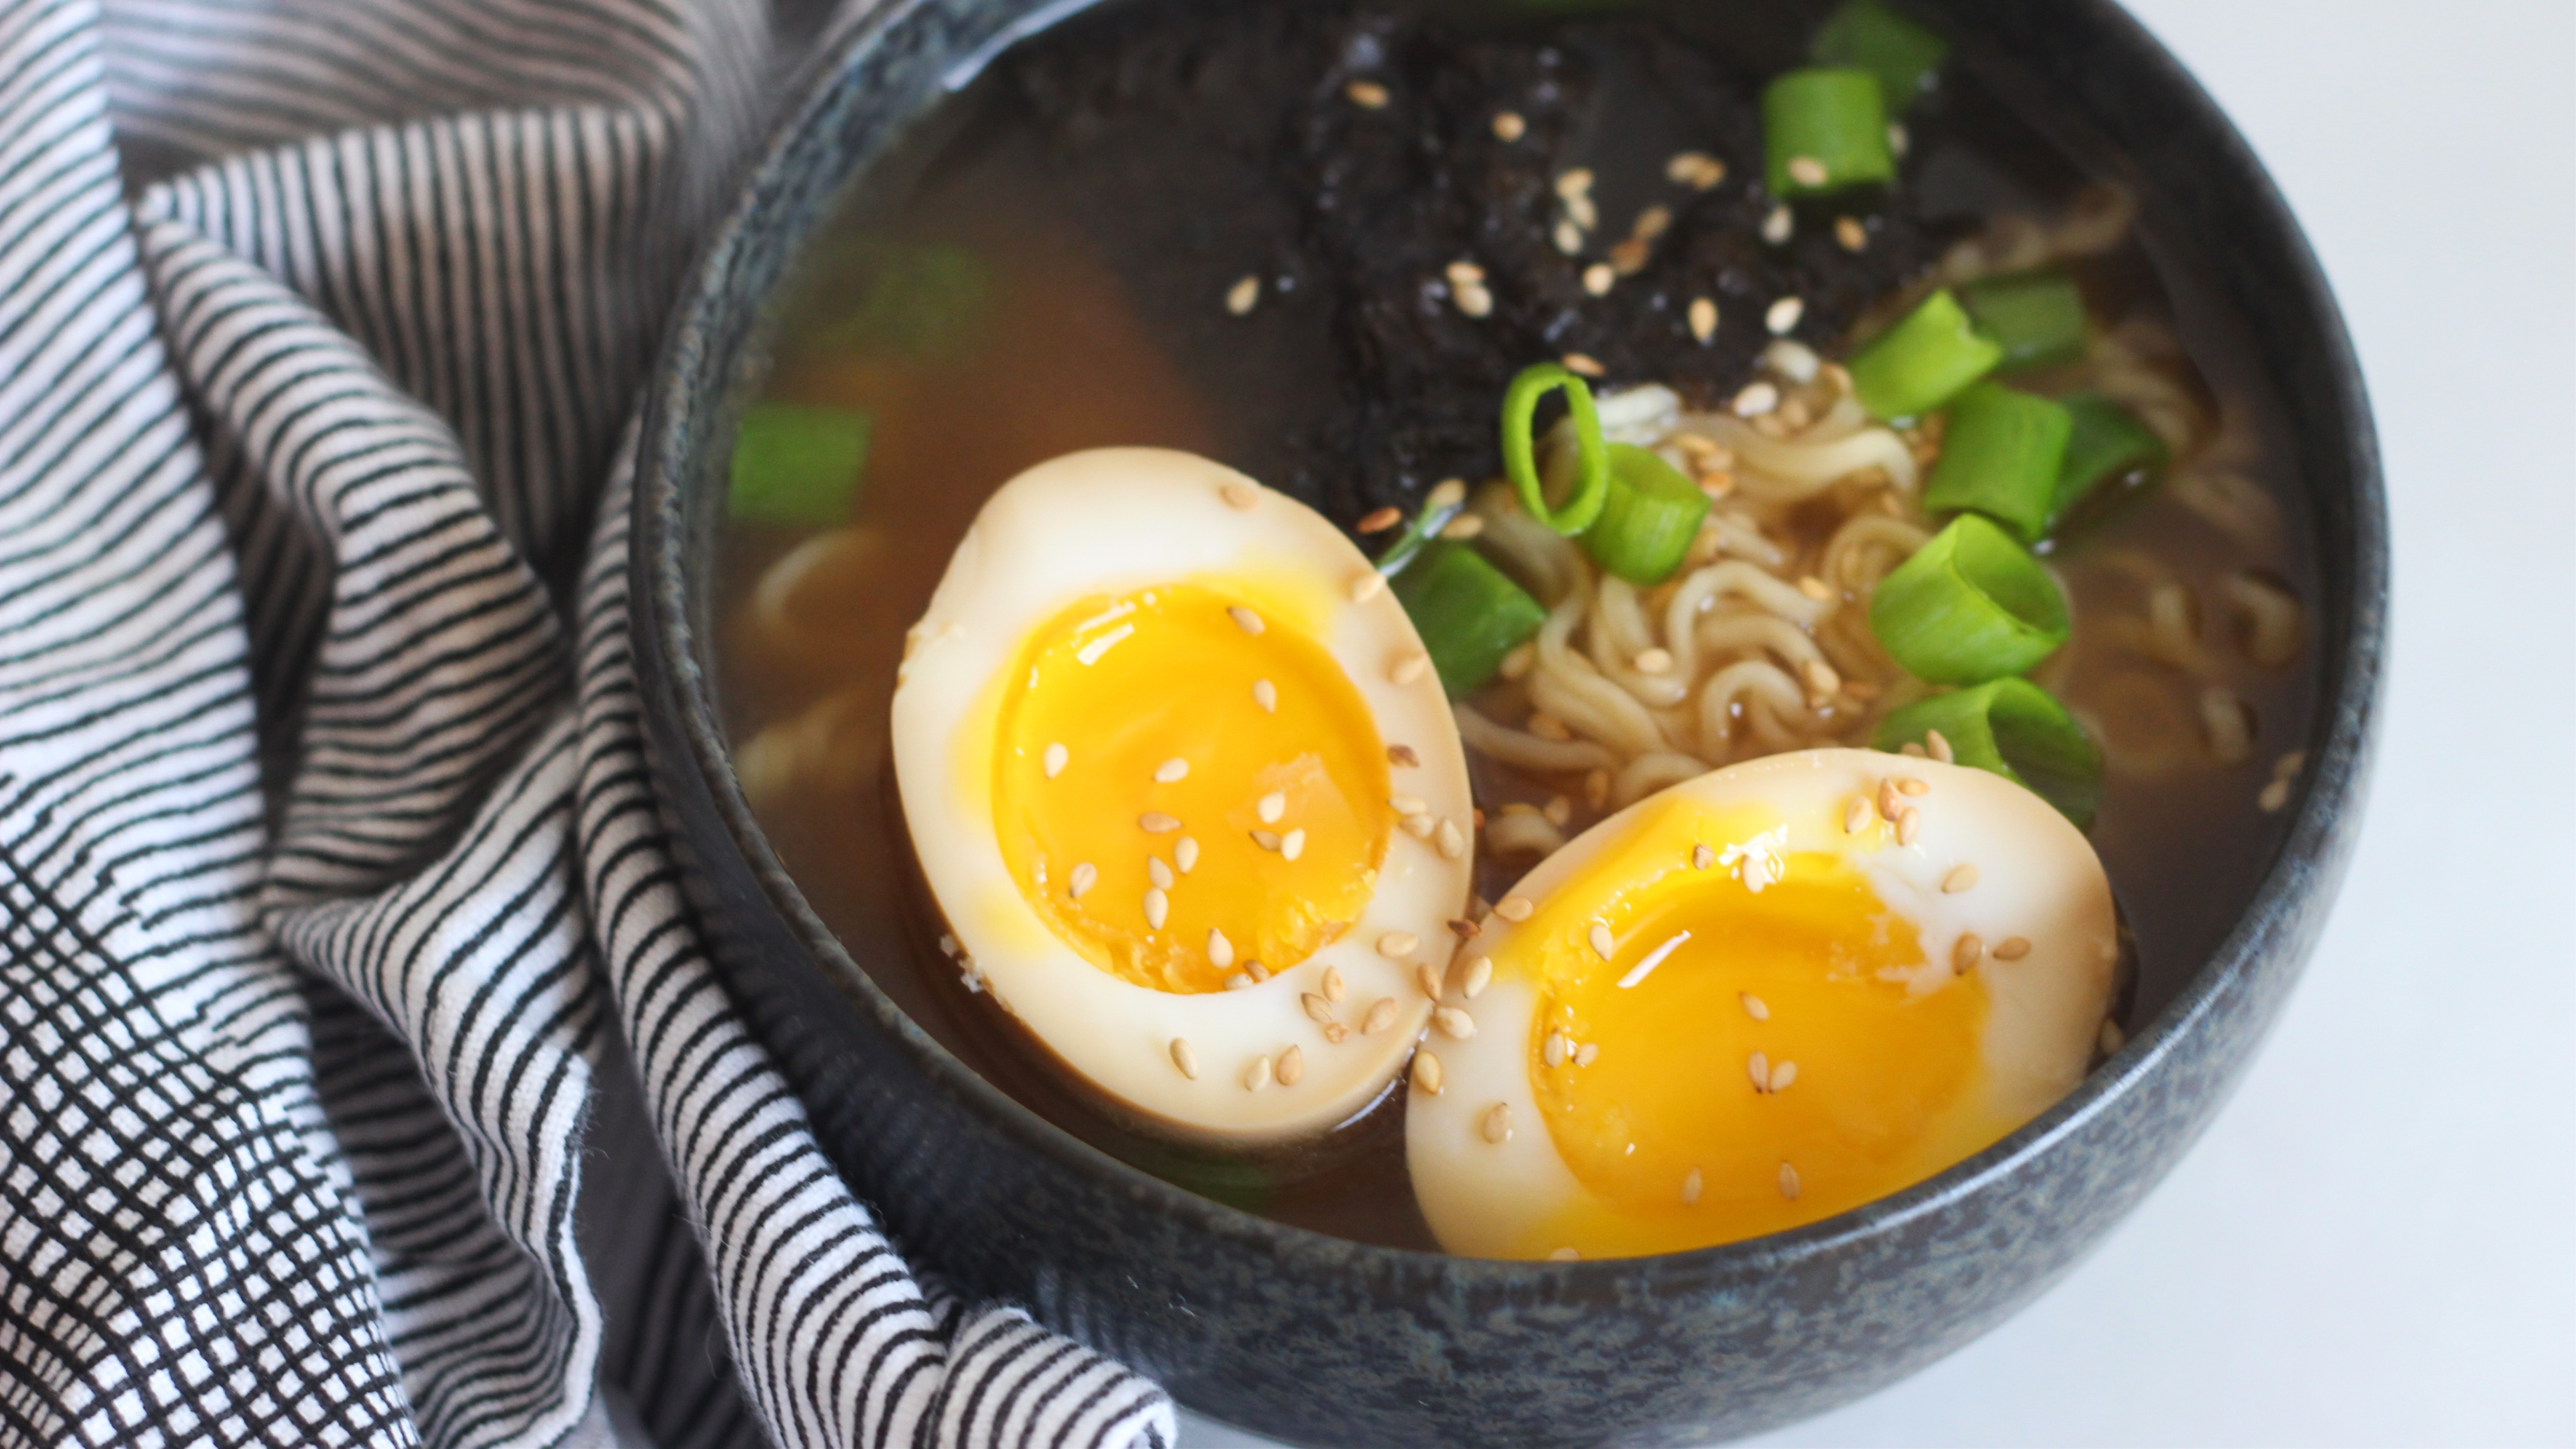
column 1113, row 522
column 2039, row 879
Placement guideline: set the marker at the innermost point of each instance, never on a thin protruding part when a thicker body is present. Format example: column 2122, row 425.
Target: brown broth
column 1073, row 347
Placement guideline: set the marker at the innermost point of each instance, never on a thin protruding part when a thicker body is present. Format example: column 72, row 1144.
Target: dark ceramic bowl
column 1324, row 1341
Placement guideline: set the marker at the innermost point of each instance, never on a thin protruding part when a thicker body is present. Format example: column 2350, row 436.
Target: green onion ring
column 1520, row 414
column 1970, row 606
column 2012, row 728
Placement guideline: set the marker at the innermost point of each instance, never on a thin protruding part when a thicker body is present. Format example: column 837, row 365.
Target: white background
column 2376, row 1244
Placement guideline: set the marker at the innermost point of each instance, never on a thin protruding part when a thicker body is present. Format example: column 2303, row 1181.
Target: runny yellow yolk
column 1875, row 1074
column 1140, row 688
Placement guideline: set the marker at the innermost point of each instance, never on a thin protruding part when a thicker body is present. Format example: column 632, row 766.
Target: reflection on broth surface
column 1125, row 237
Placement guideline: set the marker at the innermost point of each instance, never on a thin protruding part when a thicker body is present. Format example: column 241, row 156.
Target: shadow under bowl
column 1325, row 1341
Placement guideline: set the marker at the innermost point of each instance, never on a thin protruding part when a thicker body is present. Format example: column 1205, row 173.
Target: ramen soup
column 1533, row 630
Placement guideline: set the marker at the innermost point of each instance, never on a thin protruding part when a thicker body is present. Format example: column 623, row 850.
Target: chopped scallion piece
column 1468, row 613
column 1648, row 521
column 2000, row 456
column 1824, row 130
column 1923, row 361
column 2107, row 445
column 2015, row 729
column 2036, row 317
column 797, row 466
column 1970, row 606
column 1900, row 52
column 1592, row 477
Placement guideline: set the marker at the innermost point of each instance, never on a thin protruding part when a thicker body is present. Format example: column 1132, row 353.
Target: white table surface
column 2376, row 1244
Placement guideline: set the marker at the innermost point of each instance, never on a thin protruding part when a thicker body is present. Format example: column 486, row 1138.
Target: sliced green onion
column 2000, row 457
column 2014, row 728
column 797, row 466
column 2107, row 445
column 1970, row 606
column 1922, row 361
column 2036, row 317
column 1649, row 519
column 1468, row 613
column 1520, row 414
column 1900, row 52
column 1824, row 130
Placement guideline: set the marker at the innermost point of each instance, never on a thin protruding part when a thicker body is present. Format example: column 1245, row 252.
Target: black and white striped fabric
column 345, row 992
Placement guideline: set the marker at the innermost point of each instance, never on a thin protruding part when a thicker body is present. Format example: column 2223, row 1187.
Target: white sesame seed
column 1445, row 494
column 1654, row 661
column 1788, row 1182
column 1479, row 972
column 1498, row 1125
column 1783, row 316
column 1407, row 804
column 1938, row 747
column 1171, row 770
column 1379, row 1018
column 1899, row 140
column 1270, row 807
column 1084, row 877
column 1703, row 320
column 1464, row 274
column 1426, row 1073
column 1241, row 497
column 1453, row 1023
column 1185, row 853
column 1758, row 1067
column 1266, row 695
column 1244, row 619
column 1553, row 1051
column 1367, row 584
column 1396, row 945
column 1967, row 952
column 1292, row 1066
column 1257, row 1076
column 1782, row 1074
column 1702, row 857
column 1807, row 171
column 1855, row 816
column 1451, row 840
column 1292, row 844
column 1568, row 238
column 1158, row 907
column 1508, row 126
column 1316, row 1007
column 1909, row 824
column 1691, row 1188
column 2272, row 797
column 1408, row 667
column 1564, row 1255
column 1239, row 981
column 1591, row 1053
column 1581, row 211
column 1582, row 364
column 1853, row 236
column 1368, row 95
column 1754, row 1006
column 1243, row 296
column 1697, row 170
column 1336, row 1033
column 1778, row 225
column 1474, row 299
column 1815, row 588
column 1603, row 944
column 1514, row 908
column 1155, row 822
column 1057, row 757
column 1755, row 400
column 1334, row 990
column 1157, row 872
column 1430, row 978
column 1573, row 183
column 1598, row 279
column 1258, row 971
column 1961, row 877
column 1266, row 839
column 1184, row 1058
column 1220, row 951
column 2012, row 948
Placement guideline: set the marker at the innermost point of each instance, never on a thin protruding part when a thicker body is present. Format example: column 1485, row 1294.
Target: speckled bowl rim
column 2350, row 685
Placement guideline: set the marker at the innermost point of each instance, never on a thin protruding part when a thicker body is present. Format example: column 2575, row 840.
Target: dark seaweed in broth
column 1046, row 271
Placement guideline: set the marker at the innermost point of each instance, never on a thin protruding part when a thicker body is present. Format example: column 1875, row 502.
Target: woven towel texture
column 345, row 991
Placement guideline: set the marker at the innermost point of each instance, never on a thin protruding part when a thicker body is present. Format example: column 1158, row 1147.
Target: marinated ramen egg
column 1757, row 999
column 1147, row 738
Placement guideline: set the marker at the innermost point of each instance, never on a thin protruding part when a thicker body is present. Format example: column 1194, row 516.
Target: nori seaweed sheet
column 1201, row 143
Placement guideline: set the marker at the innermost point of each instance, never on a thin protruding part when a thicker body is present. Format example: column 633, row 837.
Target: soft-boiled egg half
column 1757, row 999
column 1183, row 782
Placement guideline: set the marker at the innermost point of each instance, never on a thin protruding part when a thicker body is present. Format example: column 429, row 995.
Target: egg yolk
column 1788, row 1058
column 1187, row 787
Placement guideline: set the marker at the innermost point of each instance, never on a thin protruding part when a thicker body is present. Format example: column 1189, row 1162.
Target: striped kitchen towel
column 345, row 992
